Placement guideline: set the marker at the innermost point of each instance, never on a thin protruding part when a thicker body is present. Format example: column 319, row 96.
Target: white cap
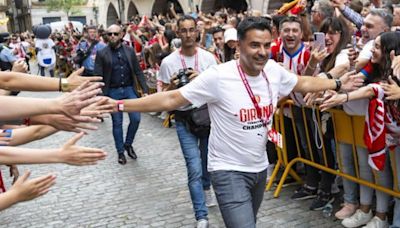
column 230, row 34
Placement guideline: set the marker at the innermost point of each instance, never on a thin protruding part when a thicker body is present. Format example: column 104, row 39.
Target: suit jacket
column 103, row 67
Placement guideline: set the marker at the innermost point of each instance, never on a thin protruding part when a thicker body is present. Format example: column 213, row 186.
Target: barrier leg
column 273, row 176
column 284, row 175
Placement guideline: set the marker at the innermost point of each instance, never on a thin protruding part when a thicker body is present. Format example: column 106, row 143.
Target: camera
column 183, row 76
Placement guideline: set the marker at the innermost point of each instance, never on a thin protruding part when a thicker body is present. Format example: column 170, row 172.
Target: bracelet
column 27, row 121
column 59, row 85
column 64, row 85
column 338, row 85
column 329, row 75
column 347, row 97
column 120, row 106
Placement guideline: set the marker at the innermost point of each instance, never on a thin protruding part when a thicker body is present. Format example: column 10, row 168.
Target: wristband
column 329, row 75
column 120, row 106
column 338, row 85
column 59, row 85
column 347, row 97
column 64, row 85
column 27, row 121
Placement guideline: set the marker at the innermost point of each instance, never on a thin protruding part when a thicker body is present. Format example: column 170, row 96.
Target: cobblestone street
column 149, row 192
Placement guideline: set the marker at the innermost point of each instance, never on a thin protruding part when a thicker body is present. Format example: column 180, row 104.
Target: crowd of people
column 221, row 76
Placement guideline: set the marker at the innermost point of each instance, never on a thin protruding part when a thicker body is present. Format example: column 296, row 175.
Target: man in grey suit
column 120, row 69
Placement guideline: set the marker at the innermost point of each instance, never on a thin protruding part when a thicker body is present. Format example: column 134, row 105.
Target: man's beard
column 114, row 45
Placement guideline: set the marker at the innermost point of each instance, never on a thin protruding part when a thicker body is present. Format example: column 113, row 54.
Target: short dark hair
column 217, row 30
column 91, row 27
column 184, row 18
column 291, row 19
column 250, row 23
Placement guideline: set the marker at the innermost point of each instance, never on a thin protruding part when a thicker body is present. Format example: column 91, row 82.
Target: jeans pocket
column 229, row 186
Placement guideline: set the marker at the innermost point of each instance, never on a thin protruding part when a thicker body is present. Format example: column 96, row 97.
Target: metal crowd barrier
column 347, row 129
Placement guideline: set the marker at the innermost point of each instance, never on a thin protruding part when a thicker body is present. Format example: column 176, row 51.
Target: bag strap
column 87, row 53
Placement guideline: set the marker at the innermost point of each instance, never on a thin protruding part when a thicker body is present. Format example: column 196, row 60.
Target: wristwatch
column 338, row 85
column 64, row 85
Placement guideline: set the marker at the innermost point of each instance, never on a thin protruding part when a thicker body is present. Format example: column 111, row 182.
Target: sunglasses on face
column 113, row 33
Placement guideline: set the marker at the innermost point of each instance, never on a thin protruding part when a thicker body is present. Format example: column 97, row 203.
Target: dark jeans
column 42, row 71
column 312, row 174
column 239, row 196
column 117, row 118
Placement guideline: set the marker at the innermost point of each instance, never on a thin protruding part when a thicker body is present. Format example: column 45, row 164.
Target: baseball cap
column 230, row 34
column 4, row 36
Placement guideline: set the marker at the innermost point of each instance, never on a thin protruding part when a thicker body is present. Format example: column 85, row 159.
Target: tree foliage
column 68, row 6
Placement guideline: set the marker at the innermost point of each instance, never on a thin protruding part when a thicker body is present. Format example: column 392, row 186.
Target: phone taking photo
column 319, row 40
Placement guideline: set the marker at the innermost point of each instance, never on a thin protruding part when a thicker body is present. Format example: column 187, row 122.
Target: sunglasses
column 113, row 33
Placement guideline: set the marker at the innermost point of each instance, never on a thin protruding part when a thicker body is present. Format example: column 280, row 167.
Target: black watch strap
column 338, row 85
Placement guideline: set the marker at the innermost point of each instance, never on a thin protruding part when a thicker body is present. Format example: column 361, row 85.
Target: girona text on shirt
column 250, row 114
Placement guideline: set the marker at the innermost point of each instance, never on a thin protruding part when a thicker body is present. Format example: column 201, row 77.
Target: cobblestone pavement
column 149, row 192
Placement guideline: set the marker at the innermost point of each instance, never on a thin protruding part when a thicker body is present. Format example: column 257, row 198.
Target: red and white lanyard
column 264, row 120
column 196, row 61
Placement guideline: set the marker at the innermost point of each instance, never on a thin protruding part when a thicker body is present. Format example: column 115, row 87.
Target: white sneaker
column 211, row 201
column 359, row 218
column 377, row 223
column 163, row 115
column 270, row 170
column 202, row 223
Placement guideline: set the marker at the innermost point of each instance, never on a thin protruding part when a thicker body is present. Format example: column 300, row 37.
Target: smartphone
column 354, row 42
column 319, row 40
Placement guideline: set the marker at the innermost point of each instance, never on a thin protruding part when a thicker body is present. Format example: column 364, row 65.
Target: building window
column 48, row 20
column 81, row 19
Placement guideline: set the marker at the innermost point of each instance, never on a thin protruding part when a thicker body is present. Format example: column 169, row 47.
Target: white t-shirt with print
column 238, row 140
column 366, row 52
column 46, row 55
column 172, row 64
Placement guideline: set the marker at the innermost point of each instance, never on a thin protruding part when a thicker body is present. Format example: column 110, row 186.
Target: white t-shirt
column 356, row 107
column 342, row 57
column 366, row 52
column 172, row 64
column 46, row 55
column 238, row 140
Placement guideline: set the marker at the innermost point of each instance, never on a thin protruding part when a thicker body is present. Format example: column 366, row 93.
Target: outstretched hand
column 75, row 80
column 351, row 81
column 391, row 89
column 24, row 189
column 77, row 155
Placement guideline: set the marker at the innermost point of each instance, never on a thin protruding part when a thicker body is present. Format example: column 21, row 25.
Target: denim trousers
column 383, row 178
column 239, row 196
column 195, row 151
column 395, row 158
column 350, row 188
column 117, row 118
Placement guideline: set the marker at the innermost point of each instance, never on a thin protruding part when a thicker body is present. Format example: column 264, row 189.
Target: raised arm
column 164, row 101
column 26, row 82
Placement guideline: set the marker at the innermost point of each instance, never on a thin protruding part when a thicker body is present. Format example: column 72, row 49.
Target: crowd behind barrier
column 348, row 42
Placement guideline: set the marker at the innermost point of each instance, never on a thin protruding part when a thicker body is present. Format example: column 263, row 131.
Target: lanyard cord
column 251, row 94
column 196, row 61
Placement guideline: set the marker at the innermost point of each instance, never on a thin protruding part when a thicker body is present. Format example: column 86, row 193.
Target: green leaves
column 68, row 6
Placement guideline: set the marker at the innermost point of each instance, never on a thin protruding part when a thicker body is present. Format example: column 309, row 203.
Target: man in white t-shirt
column 194, row 146
column 241, row 96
